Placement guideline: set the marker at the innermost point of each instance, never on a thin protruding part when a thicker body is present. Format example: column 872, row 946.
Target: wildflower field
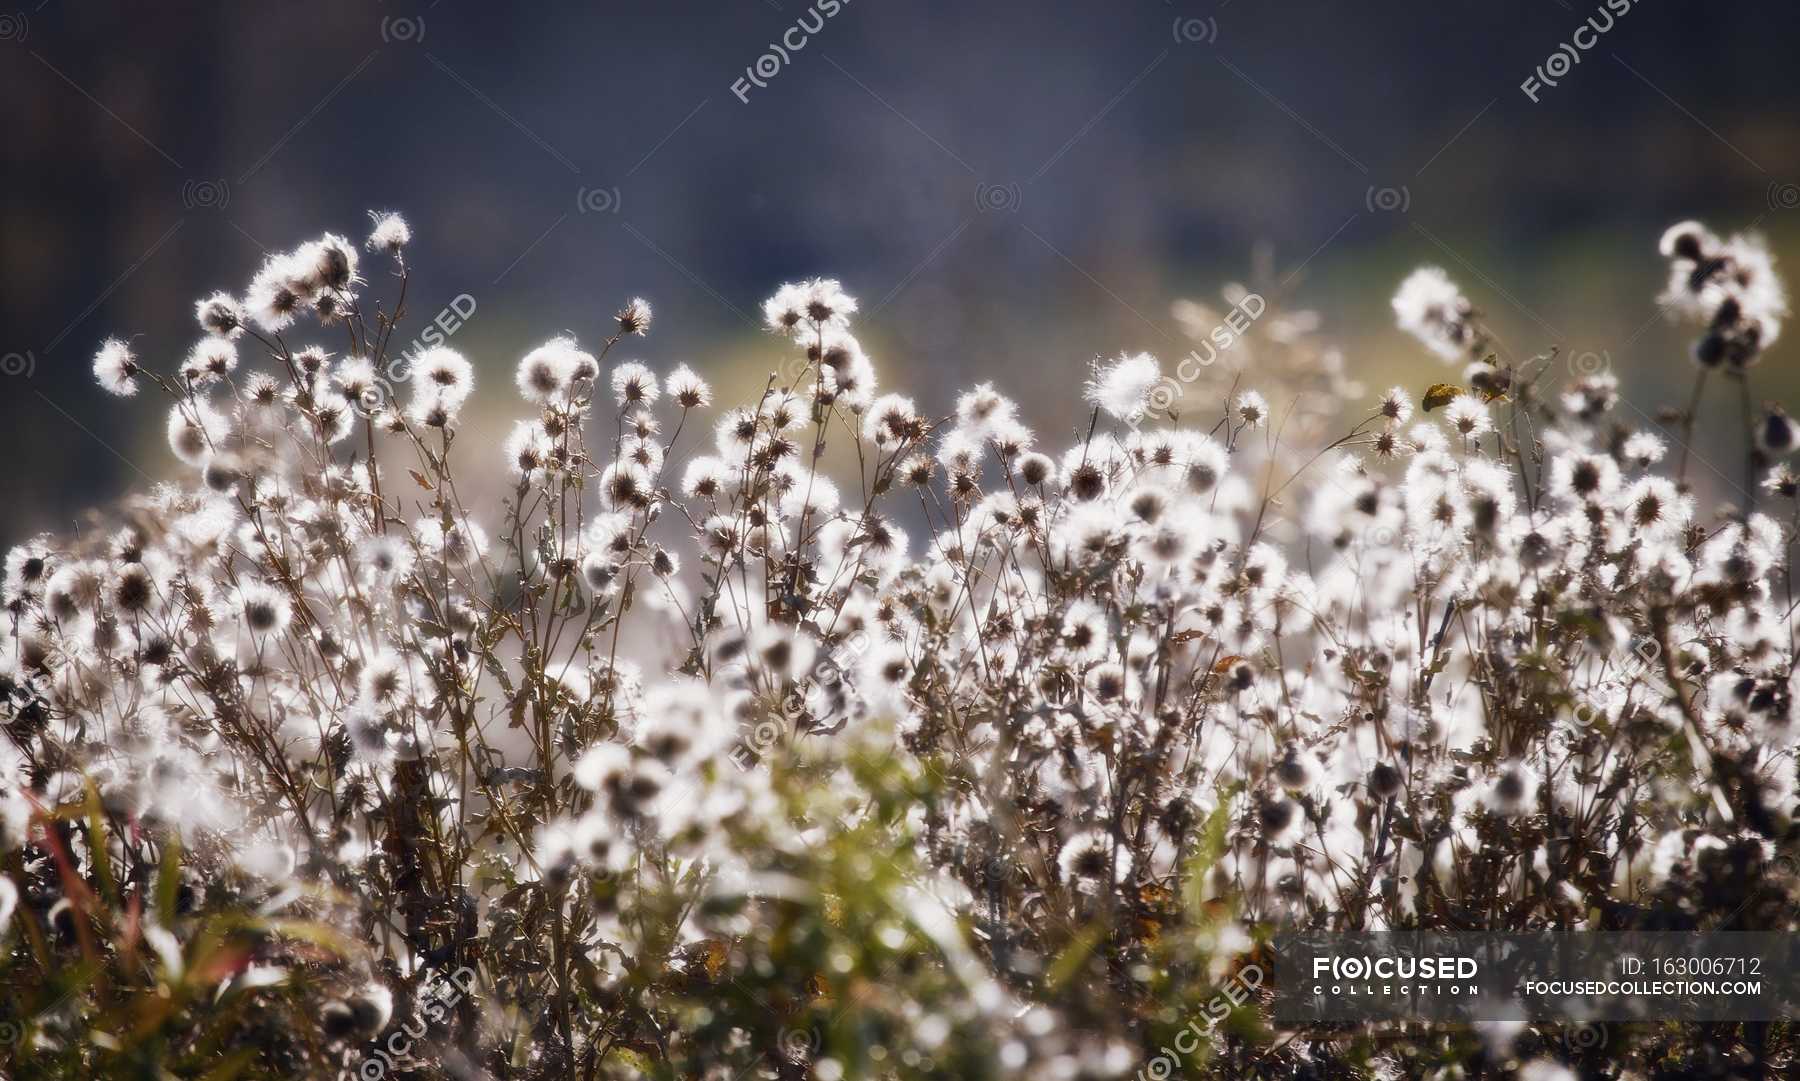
column 816, row 736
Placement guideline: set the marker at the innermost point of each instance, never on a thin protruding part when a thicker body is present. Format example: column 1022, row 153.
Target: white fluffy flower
column 547, row 371
column 115, row 367
column 634, row 384
column 1467, row 417
column 195, row 430
column 1122, row 388
column 1431, row 308
column 1089, row 857
column 1251, row 409
column 210, row 359
column 809, row 308
column 222, row 315
column 265, row 609
column 686, row 389
column 389, row 232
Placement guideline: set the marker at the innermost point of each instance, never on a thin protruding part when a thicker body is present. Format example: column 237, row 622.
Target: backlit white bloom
column 221, row 315
column 686, row 389
column 1431, row 308
column 625, row 485
column 891, row 421
column 278, row 292
column 332, row 260
column 705, row 477
column 431, row 408
column 547, row 371
column 827, row 306
column 1122, row 388
column 784, row 311
column 385, row 558
column 634, row 384
column 1037, row 469
column 334, row 415
column 1094, row 857
column 1251, row 409
column 442, row 374
column 1396, row 406
column 388, row 232
column 195, row 430
column 984, row 411
column 1466, row 417
column 1584, row 476
column 460, row 542
column 807, row 309
column 265, row 610
column 1643, row 449
column 211, row 359
column 635, row 316
column 116, row 368
column 527, row 450
column 1730, row 287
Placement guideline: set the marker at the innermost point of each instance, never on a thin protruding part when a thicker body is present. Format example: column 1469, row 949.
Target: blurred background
column 1010, row 187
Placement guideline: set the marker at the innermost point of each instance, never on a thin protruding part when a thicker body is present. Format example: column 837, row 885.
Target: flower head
column 115, row 368
column 1251, row 409
column 222, row 315
column 634, row 317
column 388, row 232
column 211, row 358
column 1396, row 406
column 1122, row 388
column 547, row 372
column 686, row 389
column 1431, row 308
column 634, row 384
column 1467, row 417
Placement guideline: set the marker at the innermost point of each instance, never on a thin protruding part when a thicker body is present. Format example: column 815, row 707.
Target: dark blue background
column 1147, row 168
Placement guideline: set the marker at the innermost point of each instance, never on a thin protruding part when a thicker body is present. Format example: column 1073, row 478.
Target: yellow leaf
column 1440, row 395
column 716, row 956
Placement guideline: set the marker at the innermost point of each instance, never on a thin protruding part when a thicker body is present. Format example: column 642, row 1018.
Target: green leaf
column 1208, row 849
column 632, row 1060
column 98, row 849
column 322, row 935
column 168, row 879
column 232, row 1065
column 1070, row 960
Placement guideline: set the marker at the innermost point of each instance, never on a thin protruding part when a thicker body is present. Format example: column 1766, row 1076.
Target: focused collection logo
column 1390, row 976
